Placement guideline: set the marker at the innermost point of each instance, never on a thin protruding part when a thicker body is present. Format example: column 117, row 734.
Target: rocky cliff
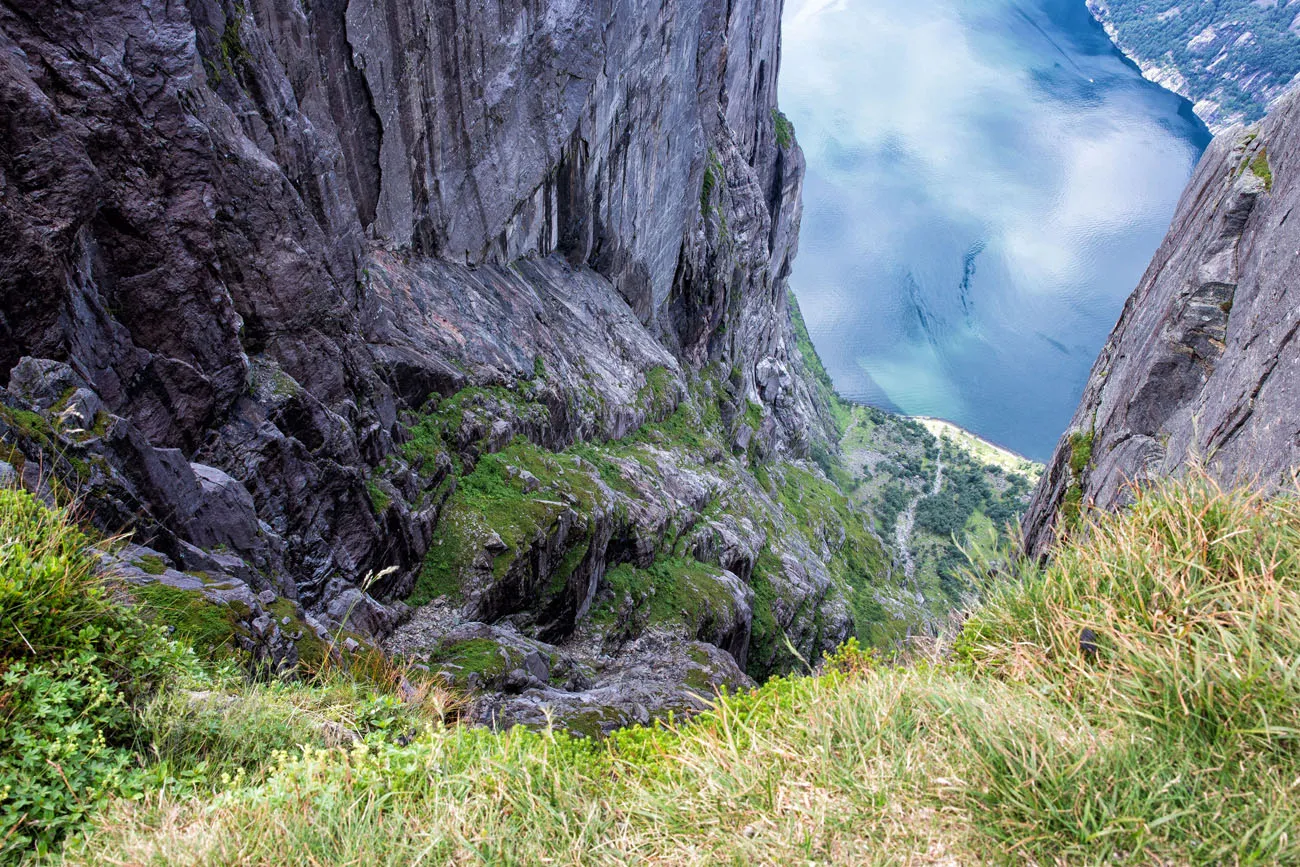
column 347, row 305
column 1204, row 364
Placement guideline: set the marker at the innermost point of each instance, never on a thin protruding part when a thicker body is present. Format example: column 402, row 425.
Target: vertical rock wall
column 253, row 232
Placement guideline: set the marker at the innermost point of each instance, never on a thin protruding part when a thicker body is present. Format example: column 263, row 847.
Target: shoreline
column 971, row 441
column 1165, row 76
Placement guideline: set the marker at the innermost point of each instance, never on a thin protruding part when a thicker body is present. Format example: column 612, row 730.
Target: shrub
column 73, row 663
column 784, row 129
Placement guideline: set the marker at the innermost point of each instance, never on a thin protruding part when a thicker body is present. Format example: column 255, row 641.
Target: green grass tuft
column 1081, row 451
column 1262, row 169
column 784, row 129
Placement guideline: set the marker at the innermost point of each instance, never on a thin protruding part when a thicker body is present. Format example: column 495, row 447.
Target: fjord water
column 987, row 181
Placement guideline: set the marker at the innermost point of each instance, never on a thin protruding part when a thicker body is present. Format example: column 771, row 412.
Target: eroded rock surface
column 245, row 247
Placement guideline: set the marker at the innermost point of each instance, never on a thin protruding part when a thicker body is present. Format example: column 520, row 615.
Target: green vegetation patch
column 29, row 424
column 438, row 430
column 1166, row 737
column 1081, row 451
column 659, row 393
column 813, row 363
column 784, row 129
column 715, row 176
column 1230, row 51
column 481, row 657
column 199, row 622
column 671, row 591
column 380, row 499
column 151, row 564
column 769, row 651
column 497, row 499
column 73, row 664
column 1262, row 170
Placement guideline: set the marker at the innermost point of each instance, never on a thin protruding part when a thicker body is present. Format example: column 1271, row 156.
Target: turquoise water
column 987, row 181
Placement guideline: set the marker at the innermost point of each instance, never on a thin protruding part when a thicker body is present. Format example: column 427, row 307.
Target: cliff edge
column 1204, row 364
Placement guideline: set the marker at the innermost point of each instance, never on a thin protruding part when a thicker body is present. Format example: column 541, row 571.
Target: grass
column 1175, row 743
column 1262, row 169
column 97, row 701
column 1081, row 451
column 380, row 499
column 1176, row 740
column 672, row 590
column 784, row 129
column 151, row 564
column 475, row 656
column 73, row 664
column 494, row 499
column 200, row 623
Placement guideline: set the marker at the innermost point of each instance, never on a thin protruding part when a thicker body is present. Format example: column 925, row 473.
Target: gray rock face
column 1204, row 363
column 242, row 243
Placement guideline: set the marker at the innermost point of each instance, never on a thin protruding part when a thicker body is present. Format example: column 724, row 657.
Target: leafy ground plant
column 73, row 664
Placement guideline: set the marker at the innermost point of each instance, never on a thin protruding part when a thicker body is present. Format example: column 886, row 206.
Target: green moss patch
column 672, row 591
column 1262, row 170
column 495, row 499
column 659, row 391
column 150, row 564
column 1081, row 451
column 380, row 499
column 208, row 627
column 475, row 656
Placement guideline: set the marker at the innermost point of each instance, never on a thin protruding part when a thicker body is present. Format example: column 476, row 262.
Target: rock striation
column 248, row 246
column 1204, row 364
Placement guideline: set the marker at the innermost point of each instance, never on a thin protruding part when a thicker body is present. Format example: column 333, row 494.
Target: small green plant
column 706, row 190
column 852, row 658
column 1262, row 170
column 1081, row 451
column 73, row 665
column 784, row 129
column 714, row 177
column 380, row 499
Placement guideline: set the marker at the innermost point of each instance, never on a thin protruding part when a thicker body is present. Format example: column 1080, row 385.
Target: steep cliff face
column 251, row 249
column 1204, row 363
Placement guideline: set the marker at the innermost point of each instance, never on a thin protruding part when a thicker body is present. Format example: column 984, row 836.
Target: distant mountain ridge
column 1232, row 59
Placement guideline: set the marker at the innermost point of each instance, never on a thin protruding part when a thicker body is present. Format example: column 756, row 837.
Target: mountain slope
column 1231, row 59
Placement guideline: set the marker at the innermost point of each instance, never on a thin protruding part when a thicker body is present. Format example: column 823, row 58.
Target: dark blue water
column 987, row 180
